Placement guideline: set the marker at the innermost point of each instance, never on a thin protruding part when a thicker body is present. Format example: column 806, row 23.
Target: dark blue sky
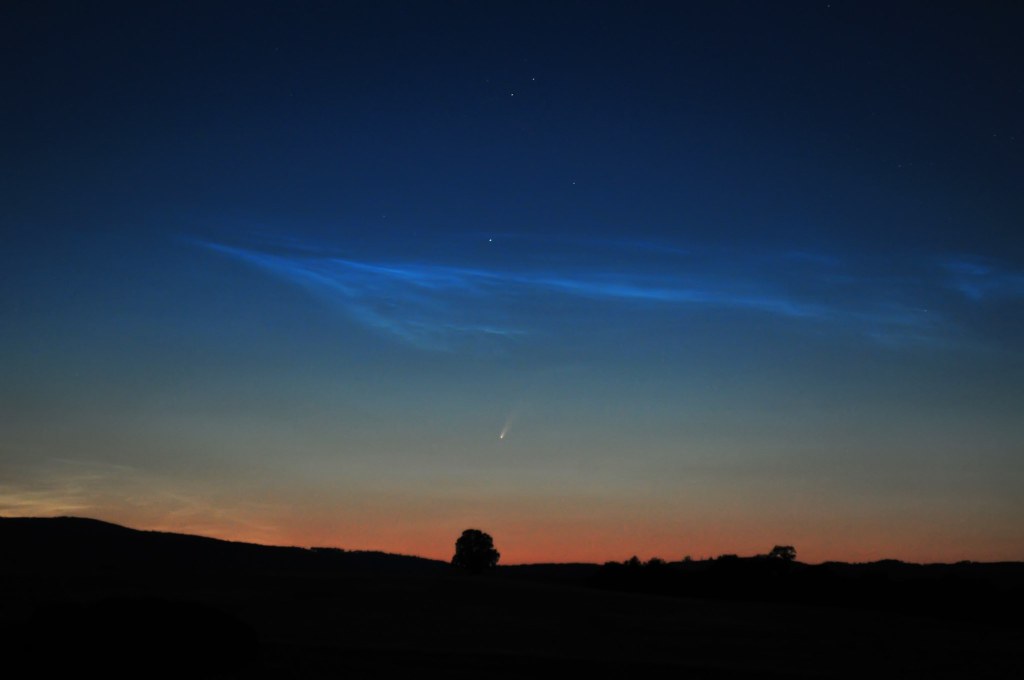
column 713, row 271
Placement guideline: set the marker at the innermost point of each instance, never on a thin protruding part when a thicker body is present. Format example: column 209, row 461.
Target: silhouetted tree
column 474, row 551
column 783, row 552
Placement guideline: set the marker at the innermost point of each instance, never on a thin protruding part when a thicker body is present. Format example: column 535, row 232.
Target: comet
column 508, row 425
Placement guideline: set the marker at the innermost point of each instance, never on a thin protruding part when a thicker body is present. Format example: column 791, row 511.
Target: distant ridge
column 60, row 544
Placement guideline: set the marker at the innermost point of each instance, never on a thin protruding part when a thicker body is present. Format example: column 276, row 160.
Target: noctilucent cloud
column 434, row 305
column 601, row 279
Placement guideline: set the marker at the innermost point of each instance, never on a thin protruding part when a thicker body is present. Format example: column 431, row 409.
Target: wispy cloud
column 67, row 486
column 439, row 305
column 58, row 486
column 426, row 305
column 979, row 279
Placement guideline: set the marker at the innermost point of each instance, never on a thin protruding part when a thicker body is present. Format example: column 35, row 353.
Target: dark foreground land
column 79, row 595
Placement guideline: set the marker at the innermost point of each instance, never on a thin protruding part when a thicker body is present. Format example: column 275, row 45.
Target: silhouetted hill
column 993, row 592
column 79, row 597
column 36, row 545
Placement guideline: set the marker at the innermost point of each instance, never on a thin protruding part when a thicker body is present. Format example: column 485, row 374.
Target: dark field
column 80, row 595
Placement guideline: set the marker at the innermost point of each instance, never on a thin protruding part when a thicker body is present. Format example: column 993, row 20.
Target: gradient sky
column 601, row 279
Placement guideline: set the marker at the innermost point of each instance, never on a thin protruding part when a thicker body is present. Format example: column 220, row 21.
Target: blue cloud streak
column 978, row 279
column 435, row 306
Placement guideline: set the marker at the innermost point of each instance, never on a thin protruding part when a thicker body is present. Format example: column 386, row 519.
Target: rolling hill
column 81, row 595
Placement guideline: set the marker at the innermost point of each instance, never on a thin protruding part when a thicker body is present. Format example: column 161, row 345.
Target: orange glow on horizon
column 519, row 544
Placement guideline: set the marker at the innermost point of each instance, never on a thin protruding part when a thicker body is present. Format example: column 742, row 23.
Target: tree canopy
column 783, row 552
column 474, row 551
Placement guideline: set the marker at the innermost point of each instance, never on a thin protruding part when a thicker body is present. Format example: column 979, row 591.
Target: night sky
column 600, row 279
